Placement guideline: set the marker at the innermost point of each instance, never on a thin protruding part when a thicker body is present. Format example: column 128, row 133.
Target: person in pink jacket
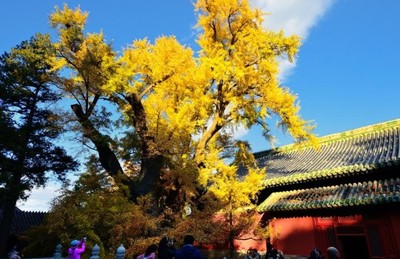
column 150, row 252
column 76, row 249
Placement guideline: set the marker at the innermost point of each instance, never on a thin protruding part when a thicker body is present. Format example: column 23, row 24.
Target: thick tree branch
column 106, row 156
column 152, row 159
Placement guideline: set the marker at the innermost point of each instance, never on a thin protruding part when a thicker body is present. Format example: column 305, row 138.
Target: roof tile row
column 365, row 193
column 23, row 220
column 352, row 152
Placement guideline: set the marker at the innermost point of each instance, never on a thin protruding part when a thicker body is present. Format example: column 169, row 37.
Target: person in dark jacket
column 316, row 254
column 188, row 250
column 333, row 253
column 166, row 249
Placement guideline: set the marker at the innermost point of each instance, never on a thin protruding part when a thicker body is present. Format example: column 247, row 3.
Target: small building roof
column 23, row 220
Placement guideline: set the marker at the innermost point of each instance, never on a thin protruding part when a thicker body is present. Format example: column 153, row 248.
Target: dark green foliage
column 28, row 127
column 91, row 209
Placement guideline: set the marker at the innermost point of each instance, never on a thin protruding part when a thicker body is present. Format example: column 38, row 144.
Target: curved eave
column 329, row 173
column 395, row 199
column 334, row 197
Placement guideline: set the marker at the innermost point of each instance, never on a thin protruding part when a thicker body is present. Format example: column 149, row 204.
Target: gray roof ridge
column 348, row 134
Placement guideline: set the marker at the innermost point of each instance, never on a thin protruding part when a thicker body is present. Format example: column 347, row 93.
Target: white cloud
column 40, row 198
column 240, row 131
column 293, row 17
column 286, row 67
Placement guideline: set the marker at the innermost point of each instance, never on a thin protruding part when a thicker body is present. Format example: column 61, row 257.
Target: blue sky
column 346, row 75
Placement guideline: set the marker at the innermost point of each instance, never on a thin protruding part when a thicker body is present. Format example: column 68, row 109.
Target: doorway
column 354, row 246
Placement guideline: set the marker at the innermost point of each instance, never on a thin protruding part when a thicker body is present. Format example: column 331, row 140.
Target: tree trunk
column 8, row 210
column 107, row 157
column 150, row 175
column 152, row 158
column 231, row 240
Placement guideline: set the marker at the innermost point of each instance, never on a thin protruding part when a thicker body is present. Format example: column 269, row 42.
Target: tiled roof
column 339, row 196
column 348, row 153
column 23, row 220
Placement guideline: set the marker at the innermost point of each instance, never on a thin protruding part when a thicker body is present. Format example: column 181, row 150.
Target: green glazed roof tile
column 348, row 195
column 339, row 155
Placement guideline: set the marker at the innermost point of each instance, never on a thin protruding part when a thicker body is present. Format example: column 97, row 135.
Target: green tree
column 28, row 128
column 97, row 209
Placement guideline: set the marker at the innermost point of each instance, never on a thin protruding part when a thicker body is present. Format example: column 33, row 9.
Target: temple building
column 346, row 194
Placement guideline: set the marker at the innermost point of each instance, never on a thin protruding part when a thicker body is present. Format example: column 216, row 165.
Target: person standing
column 150, row 252
column 76, row 248
column 188, row 250
column 166, row 249
column 274, row 253
column 333, row 253
column 315, row 254
column 252, row 253
column 13, row 254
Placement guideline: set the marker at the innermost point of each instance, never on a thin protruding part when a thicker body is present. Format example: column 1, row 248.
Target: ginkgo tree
column 236, row 194
column 178, row 107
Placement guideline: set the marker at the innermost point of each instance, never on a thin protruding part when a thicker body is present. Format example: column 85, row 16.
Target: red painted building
column 345, row 194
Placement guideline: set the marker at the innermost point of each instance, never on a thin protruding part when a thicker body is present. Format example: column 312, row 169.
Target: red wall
column 298, row 236
column 395, row 226
column 294, row 236
column 248, row 240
